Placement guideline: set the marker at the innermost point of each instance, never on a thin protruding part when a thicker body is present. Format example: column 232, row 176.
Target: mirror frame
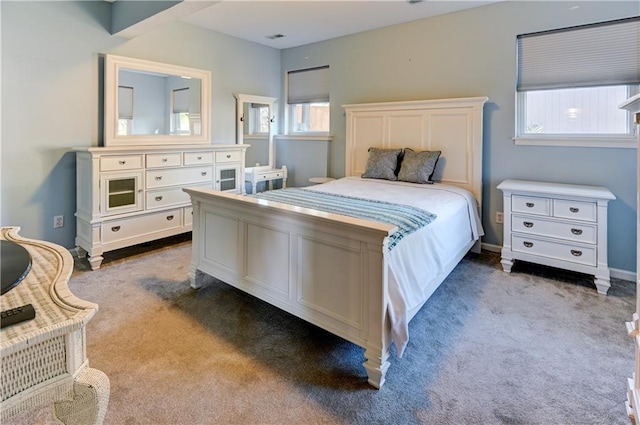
column 241, row 99
column 112, row 66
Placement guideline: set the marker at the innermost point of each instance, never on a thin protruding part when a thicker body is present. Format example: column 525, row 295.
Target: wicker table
column 44, row 360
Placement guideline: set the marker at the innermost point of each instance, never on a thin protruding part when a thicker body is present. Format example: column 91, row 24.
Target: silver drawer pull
column 576, row 231
column 576, row 253
column 530, row 204
column 158, row 178
column 528, row 244
column 527, row 224
column 115, row 228
column 574, row 209
column 199, row 158
column 169, row 217
column 122, row 162
column 158, row 198
column 164, row 160
column 228, row 156
column 204, row 173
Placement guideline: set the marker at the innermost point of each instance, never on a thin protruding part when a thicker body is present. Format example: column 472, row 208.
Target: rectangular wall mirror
column 152, row 103
column 256, row 126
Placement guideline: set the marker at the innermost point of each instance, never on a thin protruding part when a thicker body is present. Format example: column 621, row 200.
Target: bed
column 353, row 275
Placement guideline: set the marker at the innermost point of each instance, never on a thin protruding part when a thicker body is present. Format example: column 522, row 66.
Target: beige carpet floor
column 537, row 346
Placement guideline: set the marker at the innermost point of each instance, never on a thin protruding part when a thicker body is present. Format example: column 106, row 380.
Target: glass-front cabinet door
column 122, row 192
column 228, row 178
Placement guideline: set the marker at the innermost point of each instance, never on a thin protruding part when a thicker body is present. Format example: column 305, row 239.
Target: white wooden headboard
column 453, row 126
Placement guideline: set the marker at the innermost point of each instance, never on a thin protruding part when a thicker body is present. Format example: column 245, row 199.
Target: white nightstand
column 558, row 225
column 265, row 174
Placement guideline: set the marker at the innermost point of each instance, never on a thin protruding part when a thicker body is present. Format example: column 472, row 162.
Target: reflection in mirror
column 255, row 126
column 148, row 103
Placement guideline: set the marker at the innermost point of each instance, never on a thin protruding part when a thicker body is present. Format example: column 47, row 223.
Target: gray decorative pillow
column 418, row 167
column 382, row 164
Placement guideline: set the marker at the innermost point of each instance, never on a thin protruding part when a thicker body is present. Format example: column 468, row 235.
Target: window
column 571, row 81
column 308, row 107
column 180, row 111
column 258, row 118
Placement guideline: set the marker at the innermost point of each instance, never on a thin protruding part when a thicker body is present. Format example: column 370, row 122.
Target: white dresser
column 130, row 195
column 558, row 225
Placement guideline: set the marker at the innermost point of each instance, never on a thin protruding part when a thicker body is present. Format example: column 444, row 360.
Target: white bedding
column 424, row 254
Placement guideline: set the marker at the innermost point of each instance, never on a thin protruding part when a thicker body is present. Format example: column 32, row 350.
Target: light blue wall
column 51, row 97
column 473, row 53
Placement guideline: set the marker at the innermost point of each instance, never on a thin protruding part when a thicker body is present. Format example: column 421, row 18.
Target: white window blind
column 600, row 54
column 308, row 85
column 125, row 103
column 181, row 100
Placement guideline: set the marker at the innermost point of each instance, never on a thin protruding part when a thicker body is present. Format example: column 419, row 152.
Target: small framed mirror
column 255, row 125
column 152, row 103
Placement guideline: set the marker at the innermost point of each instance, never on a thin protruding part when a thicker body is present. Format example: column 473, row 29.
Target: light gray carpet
column 537, row 346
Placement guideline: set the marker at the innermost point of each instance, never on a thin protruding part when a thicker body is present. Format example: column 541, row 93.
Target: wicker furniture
column 44, row 360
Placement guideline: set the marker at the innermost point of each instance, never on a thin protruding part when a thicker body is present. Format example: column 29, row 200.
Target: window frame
column 600, row 140
column 540, row 72
column 290, row 108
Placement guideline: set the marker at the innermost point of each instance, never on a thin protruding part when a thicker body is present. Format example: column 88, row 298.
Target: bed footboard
column 324, row 268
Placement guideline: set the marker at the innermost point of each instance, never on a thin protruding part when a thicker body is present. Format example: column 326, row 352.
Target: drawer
column 126, row 228
column 196, row 158
column 531, row 205
column 178, row 176
column 116, row 163
column 578, row 232
column 167, row 197
column 228, row 156
column 557, row 250
column 575, row 210
column 158, row 160
column 271, row 175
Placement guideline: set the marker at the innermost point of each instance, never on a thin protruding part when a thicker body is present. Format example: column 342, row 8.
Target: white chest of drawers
column 558, row 225
column 130, row 195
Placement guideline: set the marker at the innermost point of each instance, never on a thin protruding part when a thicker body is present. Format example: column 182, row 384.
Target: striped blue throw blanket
column 406, row 218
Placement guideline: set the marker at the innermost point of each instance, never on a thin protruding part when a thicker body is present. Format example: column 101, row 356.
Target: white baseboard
column 491, row 247
column 615, row 273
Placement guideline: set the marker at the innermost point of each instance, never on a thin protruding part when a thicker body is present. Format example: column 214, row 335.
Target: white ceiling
column 308, row 21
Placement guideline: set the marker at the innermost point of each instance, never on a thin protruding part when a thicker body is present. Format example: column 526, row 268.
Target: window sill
column 604, row 141
column 305, row 137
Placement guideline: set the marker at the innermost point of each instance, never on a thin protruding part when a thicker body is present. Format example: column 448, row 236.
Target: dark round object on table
column 15, row 263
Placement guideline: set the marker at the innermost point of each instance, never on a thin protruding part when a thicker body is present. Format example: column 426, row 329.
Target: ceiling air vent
column 274, row 36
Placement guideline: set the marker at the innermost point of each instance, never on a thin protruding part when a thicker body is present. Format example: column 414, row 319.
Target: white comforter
column 423, row 255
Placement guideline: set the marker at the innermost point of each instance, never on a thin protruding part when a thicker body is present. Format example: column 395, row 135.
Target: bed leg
column 376, row 363
column 195, row 276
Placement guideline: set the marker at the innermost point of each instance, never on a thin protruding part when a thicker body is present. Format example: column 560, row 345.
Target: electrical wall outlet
column 499, row 217
column 58, row 221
